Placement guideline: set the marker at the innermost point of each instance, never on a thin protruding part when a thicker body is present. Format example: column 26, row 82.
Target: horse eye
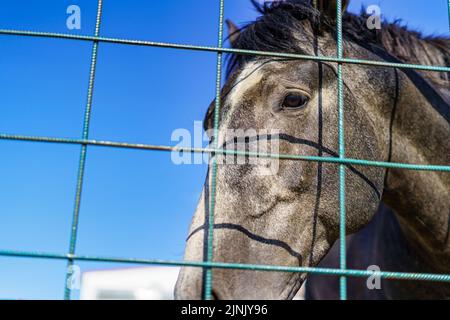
column 295, row 101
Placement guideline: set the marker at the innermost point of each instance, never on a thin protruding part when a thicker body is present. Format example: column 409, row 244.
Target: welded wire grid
column 209, row 264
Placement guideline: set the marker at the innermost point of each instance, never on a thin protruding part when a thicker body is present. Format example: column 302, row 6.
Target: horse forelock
column 276, row 30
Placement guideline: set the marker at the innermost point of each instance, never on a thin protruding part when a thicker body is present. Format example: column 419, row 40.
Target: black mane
column 273, row 31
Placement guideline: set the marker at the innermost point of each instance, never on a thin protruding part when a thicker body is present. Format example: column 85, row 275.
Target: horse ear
column 233, row 32
column 328, row 7
column 209, row 117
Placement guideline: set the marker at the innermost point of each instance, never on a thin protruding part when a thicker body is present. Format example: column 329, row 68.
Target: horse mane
column 275, row 30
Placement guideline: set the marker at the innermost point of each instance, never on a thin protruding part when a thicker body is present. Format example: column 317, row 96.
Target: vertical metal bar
column 342, row 211
column 83, row 152
column 208, row 279
column 448, row 14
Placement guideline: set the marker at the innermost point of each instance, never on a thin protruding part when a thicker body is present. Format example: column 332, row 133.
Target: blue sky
column 135, row 203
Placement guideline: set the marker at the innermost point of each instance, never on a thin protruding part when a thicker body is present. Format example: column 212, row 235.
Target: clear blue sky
column 135, row 203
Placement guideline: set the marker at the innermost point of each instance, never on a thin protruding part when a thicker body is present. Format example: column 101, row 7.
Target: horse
column 396, row 219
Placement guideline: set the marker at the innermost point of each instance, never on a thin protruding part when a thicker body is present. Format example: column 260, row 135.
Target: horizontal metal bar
column 349, row 161
column 101, row 143
column 223, row 50
column 240, row 266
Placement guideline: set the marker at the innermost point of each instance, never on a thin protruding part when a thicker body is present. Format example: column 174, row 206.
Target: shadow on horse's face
column 281, row 212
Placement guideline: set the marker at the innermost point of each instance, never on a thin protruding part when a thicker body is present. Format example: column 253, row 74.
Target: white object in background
column 148, row 283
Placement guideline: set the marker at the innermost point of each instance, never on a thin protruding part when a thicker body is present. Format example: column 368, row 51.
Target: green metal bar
column 234, row 266
column 208, row 279
column 83, row 152
column 281, row 156
column 223, row 50
column 448, row 5
column 342, row 211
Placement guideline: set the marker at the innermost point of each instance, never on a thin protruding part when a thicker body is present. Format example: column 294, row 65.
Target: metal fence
column 342, row 160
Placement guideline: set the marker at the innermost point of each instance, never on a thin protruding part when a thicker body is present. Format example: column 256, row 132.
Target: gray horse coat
column 291, row 217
